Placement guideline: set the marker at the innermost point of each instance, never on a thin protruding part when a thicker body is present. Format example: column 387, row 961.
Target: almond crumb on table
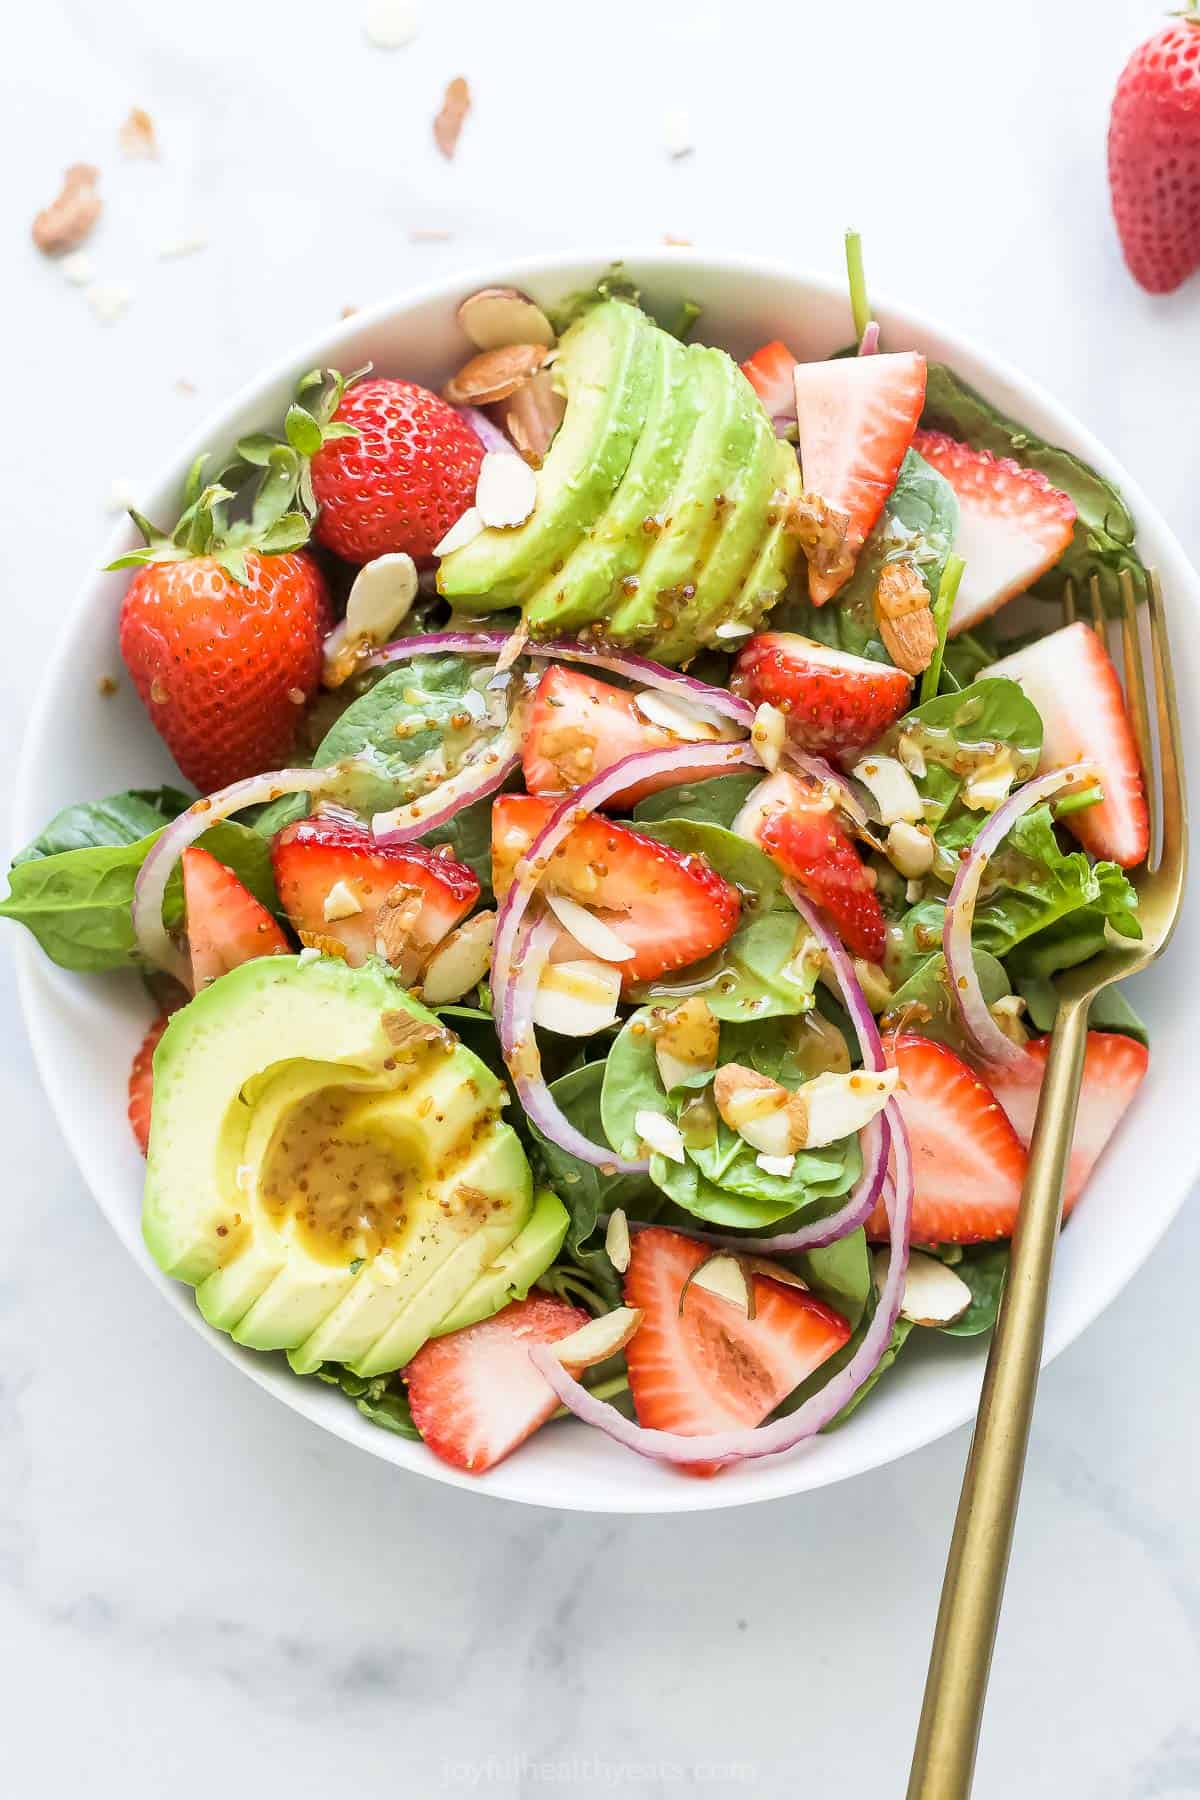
column 137, row 136
column 68, row 220
column 448, row 124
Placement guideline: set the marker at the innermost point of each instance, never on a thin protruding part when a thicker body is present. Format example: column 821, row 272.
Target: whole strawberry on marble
column 1154, row 156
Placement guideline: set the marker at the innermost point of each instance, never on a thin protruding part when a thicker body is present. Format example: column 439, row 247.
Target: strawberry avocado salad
column 644, row 802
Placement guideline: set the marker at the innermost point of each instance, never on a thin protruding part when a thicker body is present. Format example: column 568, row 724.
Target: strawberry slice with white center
column 796, row 823
column 856, row 415
column 670, row 909
column 834, row 703
column 1113, row 1071
column 226, row 925
column 708, row 1367
column 474, row 1393
column 141, row 1083
column 770, row 372
column 1072, row 681
column 578, row 727
column 336, row 882
column 968, row 1162
column 1012, row 525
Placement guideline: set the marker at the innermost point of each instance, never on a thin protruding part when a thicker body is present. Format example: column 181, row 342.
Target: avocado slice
column 356, row 1184
column 747, row 503
column 724, row 439
column 605, row 364
column 516, row 1268
column 590, row 582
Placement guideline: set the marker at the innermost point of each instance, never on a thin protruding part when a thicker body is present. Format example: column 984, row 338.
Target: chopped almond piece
column 65, row 223
column 821, row 529
column 136, row 136
column 456, row 104
column 904, row 616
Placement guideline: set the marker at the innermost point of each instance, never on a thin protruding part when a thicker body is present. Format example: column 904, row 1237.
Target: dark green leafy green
column 983, row 1268
column 1104, row 528
column 415, row 725
column 925, row 1002
column 384, row 1406
column 1110, row 1010
column 118, row 819
column 960, row 733
column 717, row 801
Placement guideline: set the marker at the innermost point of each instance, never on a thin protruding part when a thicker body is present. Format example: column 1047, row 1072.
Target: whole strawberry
column 222, row 632
column 399, row 479
column 1154, row 156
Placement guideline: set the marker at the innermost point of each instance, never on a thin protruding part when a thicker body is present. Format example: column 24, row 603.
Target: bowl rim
column 795, row 1475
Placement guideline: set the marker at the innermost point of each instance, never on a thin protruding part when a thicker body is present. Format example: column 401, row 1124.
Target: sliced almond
column 695, row 724
column 460, row 961
column 136, row 136
column 659, row 1134
column 496, row 317
column 891, row 787
column 390, row 24
column 910, row 850
column 987, row 786
column 69, row 218
column 776, row 1165
column 616, row 1241
column 587, row 930
column 506, row 490
column 577, row 999
column 910, row 753
column 599, row 1339
column 686, row 1040
column 724, row 1276
column 532, row 415
column 933, row 1293
column 451, row 116
column 340, row 903
column 381, row 597
column 464, row 531
column 494, row 374
column 1007, row 1013
column 768, row 734
column 778, row 1122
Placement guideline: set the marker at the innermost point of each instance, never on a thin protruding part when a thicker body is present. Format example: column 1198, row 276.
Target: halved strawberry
column 1071, row 680
column 857, row 415
column 770, row 373
column 333, row 879
column 141, row 1082
column 670, row 909
column 578, row 727
column 709, row 1367
column 834, row 703
column 226, row 925
column 795, row 822
column 474, row 1393
column 1113, row 1070
column 1012, row 525
column 968, row 1162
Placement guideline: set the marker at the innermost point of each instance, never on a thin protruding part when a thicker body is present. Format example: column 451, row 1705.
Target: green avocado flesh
column 327, row 1164
column 658, row 510
column 516, row 1268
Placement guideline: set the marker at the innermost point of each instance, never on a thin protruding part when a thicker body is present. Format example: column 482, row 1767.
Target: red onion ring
column 990, row 1043
column 816, row 1412
column 150, row 934
column 474, row 781
column 513, row 999
column 489, row 435
column 618, row 662
column 868, row 344
column 573, row 808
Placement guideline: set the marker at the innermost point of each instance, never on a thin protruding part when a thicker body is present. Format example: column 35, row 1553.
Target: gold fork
column 973, row 1587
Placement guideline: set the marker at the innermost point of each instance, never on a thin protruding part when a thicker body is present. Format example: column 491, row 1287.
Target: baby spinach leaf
column 415, row 725
column 717, row 801
column 1110, row 1010
column 958, row 732
column 384, row 1406
column 741, row 863
column 840, row 1274
column 983, row 1268
column 1104, row 527
column 901, row 1332
column 926, row 1001
column 76, row 902
column 118, row 819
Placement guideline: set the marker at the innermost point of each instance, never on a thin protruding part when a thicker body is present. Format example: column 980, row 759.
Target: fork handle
column 973, row 1586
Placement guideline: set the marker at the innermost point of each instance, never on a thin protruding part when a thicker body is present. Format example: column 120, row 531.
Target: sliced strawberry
column 1071, row 680
column 709, row 1367
column 770, row 373
column 968, row 1162
column 141, row 1082
column 857, row 415
column 333, row 879
column 1012, row 525
column 578, row 727
column 670, row 909
column 474, row 1393
column 226, row 925
column 795, row 822
column 834, row 703
column 1113, row 1071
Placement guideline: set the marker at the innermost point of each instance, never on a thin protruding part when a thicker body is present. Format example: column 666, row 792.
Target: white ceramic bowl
column 84, row 1029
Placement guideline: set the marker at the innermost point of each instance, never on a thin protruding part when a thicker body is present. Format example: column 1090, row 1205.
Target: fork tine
column 1099, row 617
column 1174, row 837
column 1068, row 601
column 1135, row 689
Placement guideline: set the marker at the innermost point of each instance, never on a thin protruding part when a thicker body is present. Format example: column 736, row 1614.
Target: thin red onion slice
column 990, row 1043
column 719, row 758
column 513, row 998
column 840, row 961
column 150, row 934
column 618, row 662
column 489, row 435
column 481, row 776
column 817, row 1411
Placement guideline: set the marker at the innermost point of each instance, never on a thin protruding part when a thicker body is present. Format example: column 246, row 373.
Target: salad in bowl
column 640, row 800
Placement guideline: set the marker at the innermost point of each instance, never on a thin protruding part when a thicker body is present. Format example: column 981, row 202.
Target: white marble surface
column 197, row 1589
